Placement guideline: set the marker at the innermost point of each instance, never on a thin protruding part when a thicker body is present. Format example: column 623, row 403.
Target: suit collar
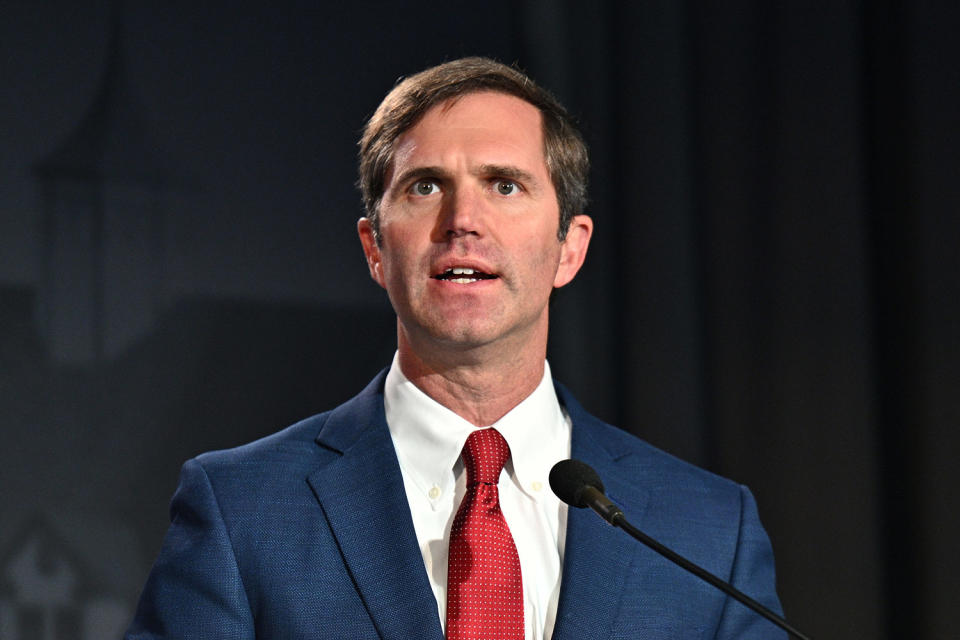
column 349, row 423
column 361, row 492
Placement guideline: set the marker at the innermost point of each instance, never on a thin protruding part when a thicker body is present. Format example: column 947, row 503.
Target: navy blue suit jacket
column 307, row 534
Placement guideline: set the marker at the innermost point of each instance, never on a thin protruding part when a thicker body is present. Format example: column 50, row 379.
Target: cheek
column 404, row 234
column 400, row 268
column 544, row 255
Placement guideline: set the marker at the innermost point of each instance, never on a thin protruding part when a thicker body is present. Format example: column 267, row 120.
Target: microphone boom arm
column 610, row 512
column 578, row 485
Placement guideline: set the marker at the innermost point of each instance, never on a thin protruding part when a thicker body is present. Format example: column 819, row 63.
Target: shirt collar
column 428, row 437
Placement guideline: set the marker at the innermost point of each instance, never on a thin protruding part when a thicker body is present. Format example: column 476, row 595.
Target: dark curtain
column 773, row 289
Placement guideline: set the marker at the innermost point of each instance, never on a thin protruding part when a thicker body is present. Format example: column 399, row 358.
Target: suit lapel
column 597, row 556
column 361, row 492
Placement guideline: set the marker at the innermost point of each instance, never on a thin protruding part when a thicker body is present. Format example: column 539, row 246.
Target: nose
column 462, row 214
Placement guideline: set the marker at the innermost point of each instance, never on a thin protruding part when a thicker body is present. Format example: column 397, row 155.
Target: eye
column 506, row 187
column 425, row 188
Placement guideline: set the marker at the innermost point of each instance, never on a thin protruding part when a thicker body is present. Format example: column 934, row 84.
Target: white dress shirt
column 428, row 439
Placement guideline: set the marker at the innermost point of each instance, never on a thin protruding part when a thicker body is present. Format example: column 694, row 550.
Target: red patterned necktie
column 484, row 588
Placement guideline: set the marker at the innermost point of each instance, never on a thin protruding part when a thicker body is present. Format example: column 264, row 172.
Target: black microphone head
column 569, row 478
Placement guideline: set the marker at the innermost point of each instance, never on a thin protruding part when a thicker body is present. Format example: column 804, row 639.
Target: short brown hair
column 411, row 98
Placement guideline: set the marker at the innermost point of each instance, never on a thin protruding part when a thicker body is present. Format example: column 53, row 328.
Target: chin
column 463, row 337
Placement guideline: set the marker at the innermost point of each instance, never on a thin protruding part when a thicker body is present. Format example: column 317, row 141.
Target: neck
column 480, row 384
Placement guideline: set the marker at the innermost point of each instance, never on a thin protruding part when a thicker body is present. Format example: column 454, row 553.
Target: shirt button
column 538, row 486
column 434, row 493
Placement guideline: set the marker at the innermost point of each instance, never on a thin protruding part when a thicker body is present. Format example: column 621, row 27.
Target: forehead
column 483, row 127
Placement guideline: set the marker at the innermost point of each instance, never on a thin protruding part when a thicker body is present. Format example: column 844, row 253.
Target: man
column 363, row 522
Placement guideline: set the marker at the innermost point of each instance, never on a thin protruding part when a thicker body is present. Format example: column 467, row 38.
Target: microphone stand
column 617, row 519
column 576, row 484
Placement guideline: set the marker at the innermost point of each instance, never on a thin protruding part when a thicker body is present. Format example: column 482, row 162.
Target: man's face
column 468, row 220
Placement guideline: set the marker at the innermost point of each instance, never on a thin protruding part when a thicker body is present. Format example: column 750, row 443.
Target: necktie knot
column 484, row 454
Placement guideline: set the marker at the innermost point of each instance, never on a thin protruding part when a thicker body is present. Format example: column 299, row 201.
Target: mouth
column 464, row 275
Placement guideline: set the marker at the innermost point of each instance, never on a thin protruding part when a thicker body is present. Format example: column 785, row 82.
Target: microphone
column 578, row 485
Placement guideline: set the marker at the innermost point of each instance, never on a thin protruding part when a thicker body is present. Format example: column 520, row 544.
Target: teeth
column 463, row 275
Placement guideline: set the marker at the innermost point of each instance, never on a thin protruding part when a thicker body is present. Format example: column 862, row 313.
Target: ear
column 573, row 249
column 371, row 250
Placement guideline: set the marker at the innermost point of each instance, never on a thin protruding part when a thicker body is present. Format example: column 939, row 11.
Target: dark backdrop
column 772, row 292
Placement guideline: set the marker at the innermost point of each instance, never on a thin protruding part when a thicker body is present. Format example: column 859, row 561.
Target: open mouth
column 464, row 275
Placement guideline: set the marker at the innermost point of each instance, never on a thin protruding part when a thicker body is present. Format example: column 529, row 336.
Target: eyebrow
column 420, row 172
column 513, row 173
column 503, row 171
